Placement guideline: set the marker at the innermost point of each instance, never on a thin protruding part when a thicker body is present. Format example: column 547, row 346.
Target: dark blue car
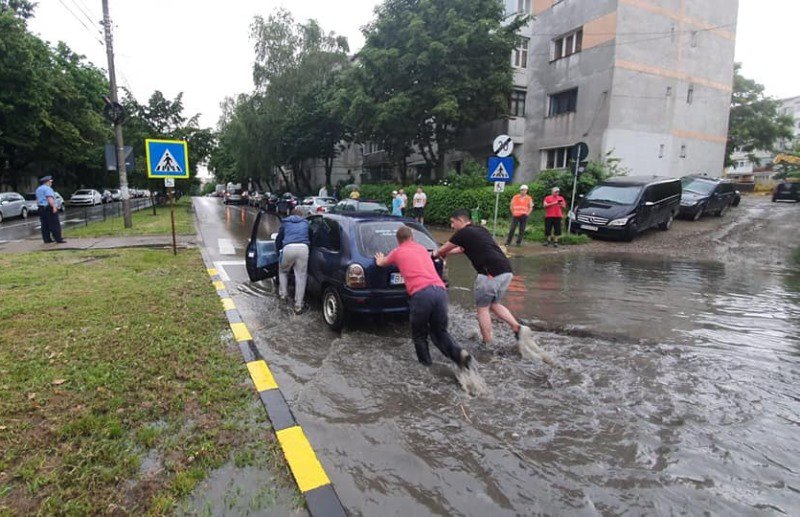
column 341, row 265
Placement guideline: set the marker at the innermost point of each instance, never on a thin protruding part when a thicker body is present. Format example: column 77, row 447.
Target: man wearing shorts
column 493, row 268
column 420, row 200
column 553, row 216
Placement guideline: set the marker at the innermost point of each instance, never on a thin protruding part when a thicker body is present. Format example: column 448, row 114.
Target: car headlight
column 355, row 278
column 621, row 221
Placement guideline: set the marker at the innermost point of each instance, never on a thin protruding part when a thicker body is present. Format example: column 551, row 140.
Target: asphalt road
column 17, row 229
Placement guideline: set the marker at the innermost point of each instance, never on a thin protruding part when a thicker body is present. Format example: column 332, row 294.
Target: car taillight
column 444, row 270
column 355, row 277
column 320, row 209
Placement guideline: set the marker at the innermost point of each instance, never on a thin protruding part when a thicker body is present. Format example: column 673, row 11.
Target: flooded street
column 675, row 390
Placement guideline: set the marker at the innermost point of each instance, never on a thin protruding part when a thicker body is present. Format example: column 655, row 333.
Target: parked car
column 12, row 205
column 86, row 197
column 316, row 205
column 341, row 265
column 271, row 203
column 704, row 195
column 786, row 190
column 105, row 195
column 33, row 206
column 624, row 206
column 256, row 198
column 359, row 205
column 116, row 194
column 286, row 203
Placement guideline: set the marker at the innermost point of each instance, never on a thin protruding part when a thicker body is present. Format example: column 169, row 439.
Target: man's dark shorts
column 552, row 226
column 419, row 211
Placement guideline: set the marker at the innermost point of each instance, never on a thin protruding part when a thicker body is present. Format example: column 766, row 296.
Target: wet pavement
column 675, row 390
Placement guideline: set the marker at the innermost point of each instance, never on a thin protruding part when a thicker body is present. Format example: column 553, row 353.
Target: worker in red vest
column 521, row 207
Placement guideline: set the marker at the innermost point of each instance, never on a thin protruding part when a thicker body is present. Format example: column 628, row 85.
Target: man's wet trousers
column 429, row 316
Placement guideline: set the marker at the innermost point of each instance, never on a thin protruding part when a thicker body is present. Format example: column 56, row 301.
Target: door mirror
column 648, row 203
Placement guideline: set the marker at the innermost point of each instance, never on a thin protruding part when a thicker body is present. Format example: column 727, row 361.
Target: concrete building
column 791, row 107
column 647, row 81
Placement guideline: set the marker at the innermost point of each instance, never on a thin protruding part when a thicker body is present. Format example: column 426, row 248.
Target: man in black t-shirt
column 493, row 268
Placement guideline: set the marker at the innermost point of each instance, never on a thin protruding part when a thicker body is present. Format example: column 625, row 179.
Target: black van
column 626, row 205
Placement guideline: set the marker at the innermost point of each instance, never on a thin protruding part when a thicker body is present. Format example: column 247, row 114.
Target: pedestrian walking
column 404, row 198
column 419, row 201
column 493, row 269
column 323, row 191
column 521, row 207
column 292, row 242
column 552, row 217
column 427, row 299
column 48, row 211
column 397, row 204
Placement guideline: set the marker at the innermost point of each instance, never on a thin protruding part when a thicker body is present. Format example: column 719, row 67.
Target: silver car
column 316, row 205
column 86, row 197
column 33, row 207
column 12, row 205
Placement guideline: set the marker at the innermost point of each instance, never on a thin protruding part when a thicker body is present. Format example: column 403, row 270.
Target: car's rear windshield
column 326, row 201
column 82, row 192
column 697, row 186
column 370, row 206
column 379, row 236
column 30, row 197
column 235, row 191
column 615, row 194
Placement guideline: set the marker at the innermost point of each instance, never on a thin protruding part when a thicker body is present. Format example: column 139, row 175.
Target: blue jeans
column 429, row 316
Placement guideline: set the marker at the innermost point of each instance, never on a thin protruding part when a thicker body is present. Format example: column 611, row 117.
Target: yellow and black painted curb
column 312, row 481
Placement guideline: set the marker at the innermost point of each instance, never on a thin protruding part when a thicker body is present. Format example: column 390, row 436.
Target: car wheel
column 333, row 310
column 699, row 213
column 721, row 211
column 668, row 223
column 24, row 213
column 773, row 199
column 630, row 233
column 1, row 217
column 736, row 202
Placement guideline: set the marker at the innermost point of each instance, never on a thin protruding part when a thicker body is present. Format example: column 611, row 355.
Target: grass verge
column 144, row 223
column 120, row 388
column 534, row 230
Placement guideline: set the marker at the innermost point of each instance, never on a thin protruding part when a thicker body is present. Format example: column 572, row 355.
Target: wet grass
column 120, row 388
column 534, row 230
column 144, row 223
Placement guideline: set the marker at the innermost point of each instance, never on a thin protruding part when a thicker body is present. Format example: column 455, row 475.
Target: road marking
column 220, row 265
column 240, row 332
column 227, row 304
column 262, row 377
column 226, row 247
column 212, row 271
column 305, row 466
column 219, row 285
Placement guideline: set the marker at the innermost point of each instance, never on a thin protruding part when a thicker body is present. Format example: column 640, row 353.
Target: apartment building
column 646, row 81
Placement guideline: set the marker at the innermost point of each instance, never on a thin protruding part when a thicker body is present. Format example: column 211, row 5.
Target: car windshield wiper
column 694, row 191
column 606, row 201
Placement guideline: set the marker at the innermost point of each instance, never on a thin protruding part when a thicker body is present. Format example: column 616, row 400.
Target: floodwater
column 675, row 390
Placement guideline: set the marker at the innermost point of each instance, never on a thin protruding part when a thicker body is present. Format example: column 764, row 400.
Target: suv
column 341, row 265
column 702, row 195
column 786, row 190
column 624, row 206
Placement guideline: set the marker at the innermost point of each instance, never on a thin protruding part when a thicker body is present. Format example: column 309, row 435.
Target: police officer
column 48, row 212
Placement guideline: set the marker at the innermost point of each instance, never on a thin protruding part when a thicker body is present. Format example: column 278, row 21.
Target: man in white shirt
column 420, row 200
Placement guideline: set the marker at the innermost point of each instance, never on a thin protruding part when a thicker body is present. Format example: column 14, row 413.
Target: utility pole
column 120, row 146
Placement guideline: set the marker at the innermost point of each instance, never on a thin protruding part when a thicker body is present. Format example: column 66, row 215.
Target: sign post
column 501, row 171
column 580, row 151
column 168, row 159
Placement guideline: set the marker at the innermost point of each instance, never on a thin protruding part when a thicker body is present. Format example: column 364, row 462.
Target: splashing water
column 529, row 349
column 471, row 380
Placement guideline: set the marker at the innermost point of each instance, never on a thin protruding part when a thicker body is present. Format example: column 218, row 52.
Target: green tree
column 429, row 70
column 755, row 119
column 20, row 8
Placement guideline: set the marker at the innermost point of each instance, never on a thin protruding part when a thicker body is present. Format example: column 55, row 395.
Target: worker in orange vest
column 521, row 207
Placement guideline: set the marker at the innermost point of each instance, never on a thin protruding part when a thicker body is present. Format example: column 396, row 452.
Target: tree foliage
column 755, row 119
column 429, row 70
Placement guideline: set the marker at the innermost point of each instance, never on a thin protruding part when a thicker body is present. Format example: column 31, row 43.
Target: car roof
column 710, row 179
column 637, row 180
column 354, row 217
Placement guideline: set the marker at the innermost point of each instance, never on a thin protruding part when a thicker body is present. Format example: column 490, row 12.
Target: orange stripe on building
column 677, row 16
column 599, row 31
column 542, row 5
column 717, row 139
column 666, row 72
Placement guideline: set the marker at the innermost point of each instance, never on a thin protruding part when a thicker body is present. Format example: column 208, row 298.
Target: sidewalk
column 145, row 241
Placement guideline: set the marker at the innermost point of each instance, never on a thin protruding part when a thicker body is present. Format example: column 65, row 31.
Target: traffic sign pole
column 572, row 201
column 172, row 219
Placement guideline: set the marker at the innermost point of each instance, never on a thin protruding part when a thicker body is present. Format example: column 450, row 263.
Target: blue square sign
column 500, row 169
column 167, row 159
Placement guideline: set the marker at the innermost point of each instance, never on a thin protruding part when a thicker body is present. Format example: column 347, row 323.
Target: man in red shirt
column 427, row 298
column 552, row 217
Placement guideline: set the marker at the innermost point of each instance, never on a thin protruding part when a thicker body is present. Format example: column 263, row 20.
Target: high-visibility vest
column 520, row 205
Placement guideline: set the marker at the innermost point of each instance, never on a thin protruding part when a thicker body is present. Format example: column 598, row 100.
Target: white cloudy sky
column 202, row 48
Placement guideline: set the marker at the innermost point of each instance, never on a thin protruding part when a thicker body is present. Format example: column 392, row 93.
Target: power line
column 89, row 18
column 80, row 21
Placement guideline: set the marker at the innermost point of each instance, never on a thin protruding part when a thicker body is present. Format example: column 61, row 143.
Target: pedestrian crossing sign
column 167, row 158
column 500, row 169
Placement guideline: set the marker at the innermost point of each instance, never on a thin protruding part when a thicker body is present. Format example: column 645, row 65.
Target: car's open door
column 261, row 256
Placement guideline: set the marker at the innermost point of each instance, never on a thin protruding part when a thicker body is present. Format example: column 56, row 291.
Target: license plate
column 396, row 279
column 589, row 227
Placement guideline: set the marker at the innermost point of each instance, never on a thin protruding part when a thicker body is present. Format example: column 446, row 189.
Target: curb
column 312, row 481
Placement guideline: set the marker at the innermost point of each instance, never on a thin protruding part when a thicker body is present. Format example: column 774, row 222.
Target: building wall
column 638, row 63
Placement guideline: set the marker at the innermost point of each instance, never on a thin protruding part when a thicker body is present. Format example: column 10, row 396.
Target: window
column 683, row 151
column 516, row 103
column 568, row 44
column 690, row 94
column 669, row 91
column 556, row 158
column 564, row 102
column 524, row 6
column 520, row 56
column 661, row 151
